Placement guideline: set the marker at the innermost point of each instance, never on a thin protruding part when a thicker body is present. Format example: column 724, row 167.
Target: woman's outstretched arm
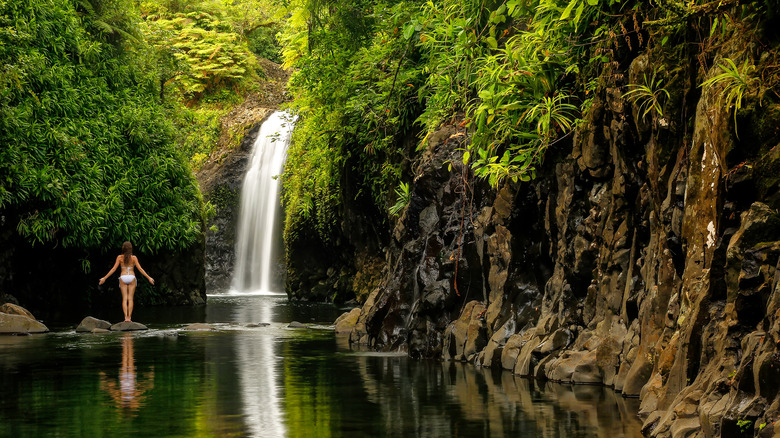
column 116, row 265
column 138, row 265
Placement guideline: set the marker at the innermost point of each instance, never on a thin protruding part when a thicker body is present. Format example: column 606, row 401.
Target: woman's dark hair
column 127, row 250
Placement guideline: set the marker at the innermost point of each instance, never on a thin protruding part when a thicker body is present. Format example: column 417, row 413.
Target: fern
column 648, row 96
column 735, row 83
column 403, row 197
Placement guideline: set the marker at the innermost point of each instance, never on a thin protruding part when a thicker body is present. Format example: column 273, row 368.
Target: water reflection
column 257, row 374
column 431, row 399
column 272, row 381
column 128, row 390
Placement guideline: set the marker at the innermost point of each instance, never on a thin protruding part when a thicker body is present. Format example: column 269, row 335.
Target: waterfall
column 258, row 236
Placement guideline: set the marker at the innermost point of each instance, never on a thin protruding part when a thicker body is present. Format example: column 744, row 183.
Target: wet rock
column 296, row 325
column 127, row 326
column 345, row 323
column 493, row 352
column 467, row 335
column 89, row 324
column 13, row 309
column 99, row 330
column 19, row 324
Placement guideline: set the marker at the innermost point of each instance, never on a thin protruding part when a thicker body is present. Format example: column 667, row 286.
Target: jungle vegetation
column 520, row 75
column 107, row 106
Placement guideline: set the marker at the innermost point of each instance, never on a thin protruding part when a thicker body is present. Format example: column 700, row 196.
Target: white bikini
column 127, row 277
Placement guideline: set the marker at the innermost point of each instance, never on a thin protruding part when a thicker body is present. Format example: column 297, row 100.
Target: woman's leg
column 123, row 288
column 130, row 293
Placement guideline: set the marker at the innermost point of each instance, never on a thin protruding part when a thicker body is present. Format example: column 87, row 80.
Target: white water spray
column 257, row 230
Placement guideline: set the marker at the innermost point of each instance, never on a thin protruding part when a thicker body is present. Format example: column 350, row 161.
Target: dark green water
column 273, row 382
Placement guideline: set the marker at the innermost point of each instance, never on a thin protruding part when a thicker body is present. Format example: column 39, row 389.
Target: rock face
column 645, row 257
column 180, row 277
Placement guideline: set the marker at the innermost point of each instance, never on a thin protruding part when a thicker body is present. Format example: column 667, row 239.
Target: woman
column 127, row 281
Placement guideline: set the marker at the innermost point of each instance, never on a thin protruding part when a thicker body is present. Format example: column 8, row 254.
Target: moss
column 767, row 177
column 367, row 277
column 224, row 199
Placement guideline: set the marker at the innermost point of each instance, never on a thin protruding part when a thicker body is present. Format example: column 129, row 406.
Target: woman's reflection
column 128, row 392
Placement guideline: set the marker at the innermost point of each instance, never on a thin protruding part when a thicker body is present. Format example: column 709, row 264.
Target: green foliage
column 509, row 67
column 648, row 96
column 88, row 158
column 357, row 75
column 200, row 53
column 370, row 74
column 262, row 42
column 209, row 54
column 198, row 129
column 744, row 425
column 735, row 82
column 402, row 198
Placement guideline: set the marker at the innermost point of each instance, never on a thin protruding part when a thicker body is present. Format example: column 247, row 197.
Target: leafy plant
column 356, row 87
column 262, row 41
column 648, row 95
column 402, row 198
column 88, row 157
column 744, row 425
column 552, row 115
column 210, row 55
column 735, row 82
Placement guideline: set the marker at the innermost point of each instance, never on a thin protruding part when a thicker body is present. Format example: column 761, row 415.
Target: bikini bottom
column 127, row 279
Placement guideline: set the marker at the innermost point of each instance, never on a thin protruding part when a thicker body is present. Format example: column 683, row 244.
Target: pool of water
column 273, row 381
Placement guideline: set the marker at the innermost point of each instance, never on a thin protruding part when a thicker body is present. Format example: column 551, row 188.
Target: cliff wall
column 644, row 257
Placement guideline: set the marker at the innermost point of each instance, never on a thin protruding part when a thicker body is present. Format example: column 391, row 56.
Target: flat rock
column 89, row 324
column 18, row 324
column 259, row 324
column 99, row 330
column 296, row 324
column 198, row 326
column 13, row 309
column 127, row 326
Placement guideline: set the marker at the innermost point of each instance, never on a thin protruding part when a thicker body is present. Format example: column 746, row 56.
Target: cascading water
column 258, row 226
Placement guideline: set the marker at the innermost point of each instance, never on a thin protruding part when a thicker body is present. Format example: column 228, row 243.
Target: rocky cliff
column 644, row 256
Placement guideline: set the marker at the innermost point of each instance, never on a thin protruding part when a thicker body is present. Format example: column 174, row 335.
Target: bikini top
column 128, row 268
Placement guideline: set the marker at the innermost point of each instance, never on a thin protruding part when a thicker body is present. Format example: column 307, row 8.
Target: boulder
column 89, row 324
column 18, row 324
column 99, row 330
column 346, row 322
column 127, row 326
column 13, row 309
column 296, row 324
